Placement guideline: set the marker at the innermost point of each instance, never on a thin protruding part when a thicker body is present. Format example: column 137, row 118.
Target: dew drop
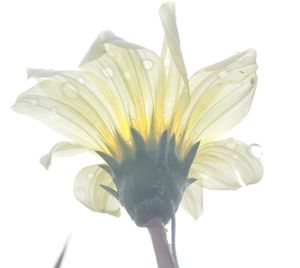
column 127, row 76
column 205, row 176
column 223, row 74
column 53, row 113
column 148, row 64
column 255, row 150
column 230, row 145
column 81, row 80
column 108, row 72
column 69, row 91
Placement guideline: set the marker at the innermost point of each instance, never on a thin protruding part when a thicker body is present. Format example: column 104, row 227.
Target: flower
column 145, row 118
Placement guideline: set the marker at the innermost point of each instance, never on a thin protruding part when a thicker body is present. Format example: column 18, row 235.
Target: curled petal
column 192, row 201
column 89, row 190
column 62, row 149
column 226, row 165
column 221, row 96
column 174, row 96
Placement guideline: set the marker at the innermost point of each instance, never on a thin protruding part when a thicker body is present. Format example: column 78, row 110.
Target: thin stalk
column 160, row 244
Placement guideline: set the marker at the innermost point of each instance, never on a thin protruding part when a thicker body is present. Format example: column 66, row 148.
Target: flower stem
column 160, row 244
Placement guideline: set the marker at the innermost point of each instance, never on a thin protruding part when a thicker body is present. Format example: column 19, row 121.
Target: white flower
column 133, row 107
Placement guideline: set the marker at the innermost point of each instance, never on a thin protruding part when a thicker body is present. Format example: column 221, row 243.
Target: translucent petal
column 192, row 201
column 129, row 79
column 69, row 102
column 62, row 149
column 221, row 96
column 88, row 191
column 226, row 165
column 174, row 97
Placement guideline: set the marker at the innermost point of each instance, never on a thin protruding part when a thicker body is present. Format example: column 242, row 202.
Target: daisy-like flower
column 145, row 118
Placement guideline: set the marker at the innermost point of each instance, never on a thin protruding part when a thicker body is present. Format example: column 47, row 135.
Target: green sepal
column 113, row 164
column 139, row 142
column 172, row 154
column 110, row 191
column 161, row 153
column 189, row 158
column 107, row 169
column 190, row 181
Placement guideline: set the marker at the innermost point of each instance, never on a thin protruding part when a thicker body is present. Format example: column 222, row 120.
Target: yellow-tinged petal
column 63, row 148
column 192, row 201
column 174, row 97
column 221, row 96
column 129, row 77
column 88, row 190
column 226, row 165
column 69, row 102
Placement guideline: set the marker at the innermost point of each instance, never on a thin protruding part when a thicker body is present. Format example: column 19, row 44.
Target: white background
column 257, row 226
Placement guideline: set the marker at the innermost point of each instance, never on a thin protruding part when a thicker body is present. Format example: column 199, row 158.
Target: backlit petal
column 192, row 200
column 174, row 97
column 88, row 191
column 69, row 102
column 62, row 149
column 221, row 96
column 129, row 79
column 226, row 165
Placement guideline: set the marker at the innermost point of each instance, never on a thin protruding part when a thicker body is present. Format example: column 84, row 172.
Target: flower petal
column 175, row 96
column 192, row 201
column 88, row 190
column 70, row 103
column 221, row 96
column 62, row 149
column 129, row 78
column 226, row 165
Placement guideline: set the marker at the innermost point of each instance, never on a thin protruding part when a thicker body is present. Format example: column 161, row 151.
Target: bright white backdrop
column 257, row 226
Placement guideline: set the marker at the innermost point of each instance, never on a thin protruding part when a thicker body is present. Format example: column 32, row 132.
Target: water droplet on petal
column 148, row 64
column 108, row 72
column 81, row 80
column 230, row 145
column 205, row 176
column 255, row 150
column 53, row 113
column 223, row 74
column 127, row 76
column 69, row 91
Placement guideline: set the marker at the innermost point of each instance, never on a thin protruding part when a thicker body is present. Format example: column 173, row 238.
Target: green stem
column 160, row 244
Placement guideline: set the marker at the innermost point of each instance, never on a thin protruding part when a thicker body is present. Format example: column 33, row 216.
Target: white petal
column 69, row 102
column 98, row 49
column 192, row 201
column 129, row 77
column 174, row 97
column 226, row 165
column 221, row 96
column 62, row 149
column 88, row 191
